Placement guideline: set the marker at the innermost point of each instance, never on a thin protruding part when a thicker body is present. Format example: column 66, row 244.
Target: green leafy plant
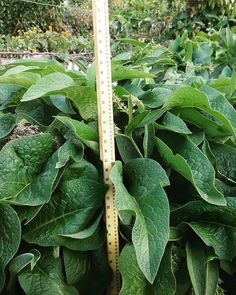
column 35, row 40
column 174, row 177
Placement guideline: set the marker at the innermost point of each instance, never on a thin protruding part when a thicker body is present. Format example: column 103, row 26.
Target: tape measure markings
column 106, row 130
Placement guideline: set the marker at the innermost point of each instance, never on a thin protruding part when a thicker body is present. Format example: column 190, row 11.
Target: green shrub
column 35, row 40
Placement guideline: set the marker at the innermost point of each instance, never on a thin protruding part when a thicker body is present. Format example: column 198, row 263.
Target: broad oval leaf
column 69, row 211
column 147, row 201
column 43, row 86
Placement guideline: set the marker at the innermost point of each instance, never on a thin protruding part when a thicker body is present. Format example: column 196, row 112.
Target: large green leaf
column 155, row 98
column 120, row 72
column 7, row 94
column 165, row 283
column 36, row 112
column 220, row 104
column 212, row 277
column 133, row 280
column 218, row 107
column 90, row 238
column 172, row 123
column 77, row 265
column 225, row 157
column 69, row 211
column 45, row 279
column 212, row 127
column 182, row 155
column 83, row 132
column 147, row 201
column 21, row 161
column 143, row 119
column 88, row 271
column 70, row 150
column 196, row 266
column 62, row 103
column 19, row 263
column 25, row 79
column 10, row 236
column 83, row 97
column 40, row 189
column 198, row 211
column 19, row 69
column 219, row 236
column 127, row 148
column 43, row 86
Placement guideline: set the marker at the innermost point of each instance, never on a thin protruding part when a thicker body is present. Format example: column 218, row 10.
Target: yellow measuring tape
column 106, row 130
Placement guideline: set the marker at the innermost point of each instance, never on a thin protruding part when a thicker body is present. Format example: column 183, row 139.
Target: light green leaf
column 182, row 155
column 120, row 72
column 83, row 132
column 144, row 118
column 155, row 98
column 24, row 79
column 10, row 236
column 85, row 100
column 201, row 120
column 83, row 97
column 69, row 151
column 40, row 282
column 21, row 261
column 151, row 227
column 133, row 280
column 212, row 277
column 19, row 69
column 173, row 123
column 190, row 97
column 52, row 82
column 220, row 104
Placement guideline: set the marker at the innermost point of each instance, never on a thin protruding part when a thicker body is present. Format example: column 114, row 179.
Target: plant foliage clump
column 175, row 177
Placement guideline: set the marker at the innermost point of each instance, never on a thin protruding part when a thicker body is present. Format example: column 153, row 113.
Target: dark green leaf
column 10, row 235
column 182, row 155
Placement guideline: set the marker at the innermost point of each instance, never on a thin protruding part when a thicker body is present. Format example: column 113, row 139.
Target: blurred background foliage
column 66, row 26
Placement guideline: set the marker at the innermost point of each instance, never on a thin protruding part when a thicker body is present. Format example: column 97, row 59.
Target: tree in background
column 18, row 15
